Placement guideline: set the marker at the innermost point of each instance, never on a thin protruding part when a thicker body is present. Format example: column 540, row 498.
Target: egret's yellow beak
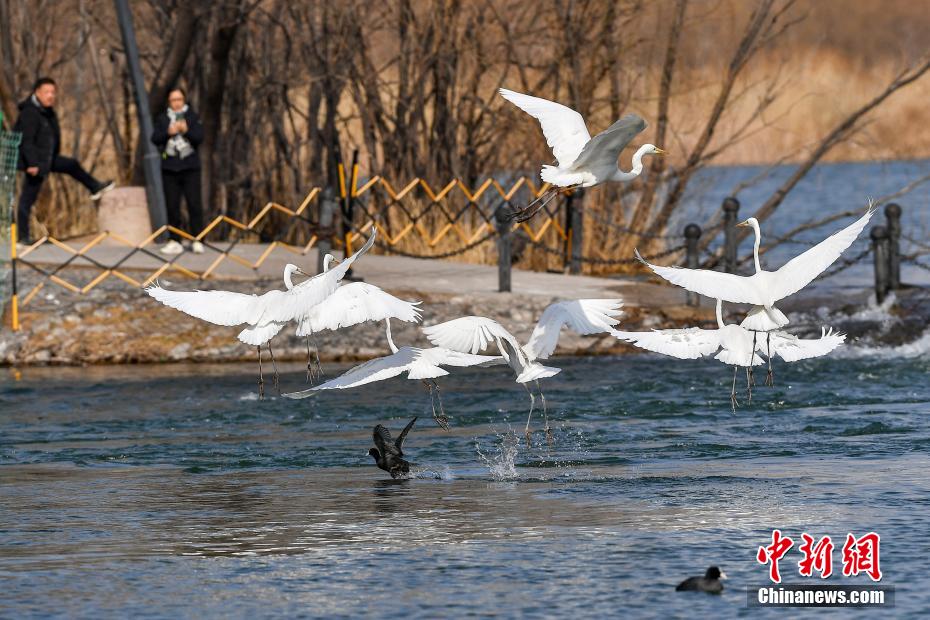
column 659, row 151
column 303, row 273
column 744, row 223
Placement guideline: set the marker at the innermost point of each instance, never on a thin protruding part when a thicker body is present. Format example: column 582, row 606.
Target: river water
column 173, row 492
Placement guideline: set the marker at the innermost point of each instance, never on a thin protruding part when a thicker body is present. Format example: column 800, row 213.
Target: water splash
column 428, row 473
column 917, row 349
column 502, row 462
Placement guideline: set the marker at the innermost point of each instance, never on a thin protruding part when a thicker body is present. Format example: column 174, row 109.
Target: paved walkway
column 387, row 271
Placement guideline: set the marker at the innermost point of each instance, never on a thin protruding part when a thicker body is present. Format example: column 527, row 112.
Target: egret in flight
column 265, row 315
column 350, row 305
column 472, row 334
column 733, row 345
column 583, row 161
column 419, row 364
column 764, row 288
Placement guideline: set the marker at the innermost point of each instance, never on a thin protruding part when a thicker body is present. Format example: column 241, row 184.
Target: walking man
column 39, row 152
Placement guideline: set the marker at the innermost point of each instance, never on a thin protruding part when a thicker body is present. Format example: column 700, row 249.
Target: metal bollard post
column 577, row 233
column 730, row 244
column 504, row 249
column 879, row 236
column 893, row 216
column 327, row 210
column 692, row 236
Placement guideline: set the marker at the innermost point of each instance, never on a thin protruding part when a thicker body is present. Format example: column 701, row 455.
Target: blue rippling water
column 172, row 492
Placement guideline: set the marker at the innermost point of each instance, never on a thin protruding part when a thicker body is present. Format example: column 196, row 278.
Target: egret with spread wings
column 764, row 288
column 472, row 334
column 351, row 305
column 265, row 315
column 733, row 345
column 419, row 364
column 583, row 161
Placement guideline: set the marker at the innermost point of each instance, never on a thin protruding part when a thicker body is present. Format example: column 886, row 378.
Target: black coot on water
column 710, row 582
column 388, row 453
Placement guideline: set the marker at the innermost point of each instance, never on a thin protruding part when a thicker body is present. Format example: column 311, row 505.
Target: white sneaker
column 102, row 189
column 172, row 247
column 197, row 247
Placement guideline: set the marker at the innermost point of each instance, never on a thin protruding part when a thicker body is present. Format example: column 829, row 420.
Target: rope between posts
column 597, row 261
column 919, row 244
column 389, row 248
column 912, row 260
column 643, row 235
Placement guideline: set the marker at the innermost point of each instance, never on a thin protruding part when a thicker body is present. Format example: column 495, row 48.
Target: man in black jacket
column 39, row 152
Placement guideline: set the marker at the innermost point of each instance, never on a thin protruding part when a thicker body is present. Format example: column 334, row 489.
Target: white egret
column 472, row 334
column 764, row 288
column 419, row 364
column 264, row 314
column 583, row 161
column 350, row 305
column 733, row 345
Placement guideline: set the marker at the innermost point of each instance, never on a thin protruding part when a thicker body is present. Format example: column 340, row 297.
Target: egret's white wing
column 217, row 307
column 584, row 316
column 686, row 344
column 564, row 128
column 802, row 269
column 356, row 303
column 791, row 348
column 300, row 299
column 715, row 284
column 603, row 149
column 378, row 369
column 470, row 334
column 447, row 357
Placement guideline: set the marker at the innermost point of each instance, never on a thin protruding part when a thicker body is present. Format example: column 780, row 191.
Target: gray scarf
column 178, row 145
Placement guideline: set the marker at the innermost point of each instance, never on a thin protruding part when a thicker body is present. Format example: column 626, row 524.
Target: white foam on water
column 878, row 312
column 502, row 463
column 887, row 323
column 917, row 348
column 249, row 397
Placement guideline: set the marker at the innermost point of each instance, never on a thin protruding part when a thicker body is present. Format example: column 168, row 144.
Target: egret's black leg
column 441, row 419
column 429, row 388
column 545, row 414
column 770, row 377
column 748, row 384
column 733, row 403
column 261, row 379
column 309, row 363
column 529, row 210
column 275, row 366
column 316, row 351
column 526, row 431
column 750, row 379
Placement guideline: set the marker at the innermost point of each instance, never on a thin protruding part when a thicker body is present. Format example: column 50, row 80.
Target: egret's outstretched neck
column 638, row 158
column 720, row 313
column 387, row 324
column 755, row 245
column 287, row 278
column 637, row 168
column 327, row 261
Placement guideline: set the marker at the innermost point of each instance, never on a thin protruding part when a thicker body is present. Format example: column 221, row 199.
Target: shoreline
column 114, row 324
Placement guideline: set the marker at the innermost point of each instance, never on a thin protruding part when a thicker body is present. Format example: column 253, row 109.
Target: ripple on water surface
column 172, row 490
